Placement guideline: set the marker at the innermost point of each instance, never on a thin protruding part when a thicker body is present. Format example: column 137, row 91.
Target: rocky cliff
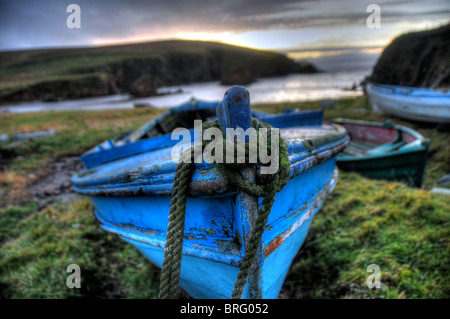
column 419, row 59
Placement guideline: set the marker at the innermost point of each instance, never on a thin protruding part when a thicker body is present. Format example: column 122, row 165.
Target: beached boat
column 417, row 104
column 384, row 151
column 156, row 133
column 131, row 196
column 10, row 145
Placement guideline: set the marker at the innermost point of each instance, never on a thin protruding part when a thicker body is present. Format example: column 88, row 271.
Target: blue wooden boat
column 10, row 145
column 131, row 195
column 417, row 104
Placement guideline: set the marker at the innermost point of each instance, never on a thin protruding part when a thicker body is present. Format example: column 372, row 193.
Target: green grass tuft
column 34, row 265
column 403, row 230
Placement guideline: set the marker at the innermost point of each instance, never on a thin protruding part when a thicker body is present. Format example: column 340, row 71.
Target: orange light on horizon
column 318, row 53
column 314, row 54
column 118, row 41
column 223, row 37
column 373, row 50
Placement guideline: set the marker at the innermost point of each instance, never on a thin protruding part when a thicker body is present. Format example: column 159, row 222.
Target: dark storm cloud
column 28, row 24
column 43, row 23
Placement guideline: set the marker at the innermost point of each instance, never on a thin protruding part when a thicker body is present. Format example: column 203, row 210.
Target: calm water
column 296, row 87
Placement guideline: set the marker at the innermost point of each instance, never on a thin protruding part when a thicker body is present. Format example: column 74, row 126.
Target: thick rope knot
column 269, row 185
column 232, row 170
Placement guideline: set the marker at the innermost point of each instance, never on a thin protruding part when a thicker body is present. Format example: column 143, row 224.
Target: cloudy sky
column 305, row 28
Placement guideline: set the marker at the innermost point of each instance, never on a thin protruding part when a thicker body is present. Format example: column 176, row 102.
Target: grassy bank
column 76, row 132
column 34, row 264
column 403, row 230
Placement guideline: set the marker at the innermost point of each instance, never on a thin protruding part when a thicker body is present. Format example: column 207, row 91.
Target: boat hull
column 408, row 168
column 217, row 279
column 414, row 104
column 212, row 255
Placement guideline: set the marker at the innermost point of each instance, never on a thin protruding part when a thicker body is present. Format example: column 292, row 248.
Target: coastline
column 281, row 89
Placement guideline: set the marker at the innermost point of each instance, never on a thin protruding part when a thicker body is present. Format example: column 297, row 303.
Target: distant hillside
column 53, row 74
column 419, row 59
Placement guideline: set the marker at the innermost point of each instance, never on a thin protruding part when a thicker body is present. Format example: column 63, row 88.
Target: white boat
column 418, row 104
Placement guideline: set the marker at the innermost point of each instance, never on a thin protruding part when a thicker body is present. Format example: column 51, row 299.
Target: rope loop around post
column 170, row 274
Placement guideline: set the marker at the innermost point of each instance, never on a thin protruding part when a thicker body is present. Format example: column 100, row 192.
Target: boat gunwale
column 95, row 156
column 215, row 185
column 401, row 90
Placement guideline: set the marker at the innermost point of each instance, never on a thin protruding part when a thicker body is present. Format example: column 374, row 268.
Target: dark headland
column 417, row 59
column 138, row 69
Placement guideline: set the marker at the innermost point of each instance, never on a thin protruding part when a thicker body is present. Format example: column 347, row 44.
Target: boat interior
column 182, row 118
column 367, row 140
column 157, row 132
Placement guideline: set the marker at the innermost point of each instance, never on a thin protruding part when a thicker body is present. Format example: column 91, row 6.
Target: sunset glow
column 283, row 26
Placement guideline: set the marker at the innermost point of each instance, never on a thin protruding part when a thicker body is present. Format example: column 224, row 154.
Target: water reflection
column 295, row 87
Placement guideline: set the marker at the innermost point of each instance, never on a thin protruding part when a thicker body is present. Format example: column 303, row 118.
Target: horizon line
column 276, row 50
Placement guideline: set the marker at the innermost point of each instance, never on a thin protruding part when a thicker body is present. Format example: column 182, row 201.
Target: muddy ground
column 45, row 186
column 56, row 185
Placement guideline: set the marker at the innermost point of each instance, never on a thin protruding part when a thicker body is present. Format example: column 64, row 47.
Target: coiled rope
column 170, row 273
